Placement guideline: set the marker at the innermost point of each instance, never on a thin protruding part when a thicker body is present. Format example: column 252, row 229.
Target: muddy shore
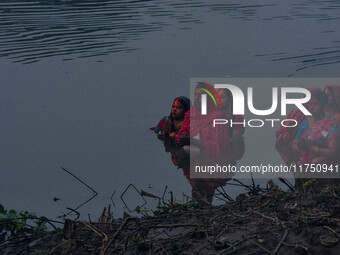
column 276, row 223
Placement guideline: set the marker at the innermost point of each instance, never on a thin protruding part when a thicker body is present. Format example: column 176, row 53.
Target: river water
column 82, row 81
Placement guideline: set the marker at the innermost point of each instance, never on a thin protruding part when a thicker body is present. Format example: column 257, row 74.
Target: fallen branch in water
column 94, row 192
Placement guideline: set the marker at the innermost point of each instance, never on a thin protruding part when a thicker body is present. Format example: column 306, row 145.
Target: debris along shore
column 276, row 223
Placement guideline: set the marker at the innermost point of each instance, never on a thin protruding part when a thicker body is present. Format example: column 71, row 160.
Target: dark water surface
column 82, row 81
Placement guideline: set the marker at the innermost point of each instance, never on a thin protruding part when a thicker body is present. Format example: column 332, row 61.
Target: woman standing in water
column 331, row 109
column 213, row 141
column 170, row 125
column 320, row 143
column 210, row 145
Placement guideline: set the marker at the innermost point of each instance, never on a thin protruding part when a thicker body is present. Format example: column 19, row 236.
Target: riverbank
column 277, row 223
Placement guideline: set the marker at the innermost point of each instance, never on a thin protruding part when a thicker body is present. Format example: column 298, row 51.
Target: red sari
column 215, row 139
column 216, row 147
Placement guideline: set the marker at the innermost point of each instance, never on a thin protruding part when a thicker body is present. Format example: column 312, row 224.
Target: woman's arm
column 331, row 151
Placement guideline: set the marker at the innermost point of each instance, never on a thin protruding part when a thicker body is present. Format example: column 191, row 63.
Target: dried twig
column 233, row 246
column 73, row 210
column 116, row 234
column 94, row 192
column 287, row 183
column 263, row 248
column 332, row 230
column 113, row 203
column 295, row 245
column 67, row 171
column 267, row 217
column 173, row 225
column 281, row 241
column 161, row 246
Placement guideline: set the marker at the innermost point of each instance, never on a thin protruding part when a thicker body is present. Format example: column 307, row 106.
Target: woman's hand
column 167, row 127
column 184, row 139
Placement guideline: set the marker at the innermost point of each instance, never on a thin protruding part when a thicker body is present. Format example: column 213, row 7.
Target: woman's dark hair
column 185, row 104
column 321, row 97
column 184, row 101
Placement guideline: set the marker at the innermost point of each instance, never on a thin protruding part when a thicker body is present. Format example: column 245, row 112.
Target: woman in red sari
column 170, row 125
column 320, row 143
column 212, row 142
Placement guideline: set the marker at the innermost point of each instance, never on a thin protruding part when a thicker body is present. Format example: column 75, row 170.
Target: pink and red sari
column 286, row 135
column 215, row 139
column 216, row 145
column 320, row 134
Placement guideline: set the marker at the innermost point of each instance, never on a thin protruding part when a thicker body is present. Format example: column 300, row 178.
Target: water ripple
column 33, row 30
column 328, row 53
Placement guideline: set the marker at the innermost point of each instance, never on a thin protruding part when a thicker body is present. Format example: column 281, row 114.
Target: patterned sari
column 215, row 139
column 320, row 134
column 216, row 147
